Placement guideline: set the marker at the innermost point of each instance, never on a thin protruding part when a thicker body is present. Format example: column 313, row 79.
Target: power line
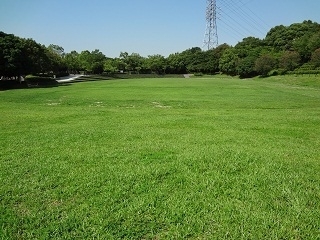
column 230, row 27
column 235, row 18
column 261, row 20
column 250, row 19
column 239, row 20
column 227, row 17
column 244, row 16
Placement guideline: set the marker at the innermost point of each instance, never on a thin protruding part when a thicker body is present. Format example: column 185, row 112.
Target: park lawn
column 199, row 158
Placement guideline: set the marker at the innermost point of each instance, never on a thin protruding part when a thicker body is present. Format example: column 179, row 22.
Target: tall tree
column 57, row 49
column 56, row 54
column 156, row 63
column 247, row 45
column 215, row 56
column 229, row 61
column 176, row 64
column 72, row 62
column 110, row 65
column 133, row 62
column 21, row 56
column 92, row 62
column 246, row 67
column 283, row 38
column 289, row 60
column 315, row 58
column 265, row 64
column 11, row 55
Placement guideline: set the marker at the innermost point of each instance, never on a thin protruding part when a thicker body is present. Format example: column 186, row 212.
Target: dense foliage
column 19, row 56
column 294, row 48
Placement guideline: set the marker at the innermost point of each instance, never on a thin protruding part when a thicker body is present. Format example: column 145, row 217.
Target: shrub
column 289, row 60
column 264, row 64
column 315, row 58
column 40, row 80
column 273, row 73
column 10, row 84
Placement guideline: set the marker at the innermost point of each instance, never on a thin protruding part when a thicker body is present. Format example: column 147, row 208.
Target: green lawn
column 199, row 158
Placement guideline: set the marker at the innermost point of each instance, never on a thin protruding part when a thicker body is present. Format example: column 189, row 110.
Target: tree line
column 285, row 49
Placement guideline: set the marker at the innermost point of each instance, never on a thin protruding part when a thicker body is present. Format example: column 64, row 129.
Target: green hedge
column 40, row 81
column 306, row 68
column 302, row 72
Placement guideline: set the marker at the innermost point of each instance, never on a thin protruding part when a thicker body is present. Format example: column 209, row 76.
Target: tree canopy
column 284, row 48
column 19, row 56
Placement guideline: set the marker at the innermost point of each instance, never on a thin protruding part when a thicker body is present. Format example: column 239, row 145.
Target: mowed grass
column 205, row 158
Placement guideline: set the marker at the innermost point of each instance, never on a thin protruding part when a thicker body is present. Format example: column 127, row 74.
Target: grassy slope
column 161, row 158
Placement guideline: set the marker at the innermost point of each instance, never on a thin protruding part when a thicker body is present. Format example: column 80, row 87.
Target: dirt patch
column 160, row 105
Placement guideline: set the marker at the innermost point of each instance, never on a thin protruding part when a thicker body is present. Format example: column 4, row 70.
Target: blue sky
column 146, row 26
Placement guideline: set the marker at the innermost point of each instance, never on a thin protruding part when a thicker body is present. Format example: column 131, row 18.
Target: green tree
column 315, row 58
column 229, row 61
column 191, row 60
column 198, row 62
column 120, row 64
column 302, row 46
column 19, row 56
column 189, row 57
column 283, row 38
column 314, row 41
column 72, row 62
column 92, row 62
column 289, row 60
column 156, row 63
column 56, row 54
column 124, row 58
column 215, row 55
column 247, row 45
column 57, row 49
column 11, row 56
column 264, row 64
column 135, row 62
column 176, row 64
column 85, row 61
column 246, row 67
column 97, row 67
column 110, row 65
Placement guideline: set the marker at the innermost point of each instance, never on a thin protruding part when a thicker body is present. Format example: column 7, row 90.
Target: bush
column 264, row 64
column 273, row 73
column 276, row 72
column 40, row 81
column 11, row 84
column 282, row 71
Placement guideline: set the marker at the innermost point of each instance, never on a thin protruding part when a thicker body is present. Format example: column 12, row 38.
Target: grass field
column 199, row 158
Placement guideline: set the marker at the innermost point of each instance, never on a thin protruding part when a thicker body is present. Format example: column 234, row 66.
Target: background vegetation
column 285, row 49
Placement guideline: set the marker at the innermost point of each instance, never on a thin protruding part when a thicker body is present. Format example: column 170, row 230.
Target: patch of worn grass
column 306, row 80
column 205, row 158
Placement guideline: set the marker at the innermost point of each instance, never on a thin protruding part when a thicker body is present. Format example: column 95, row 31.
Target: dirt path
column 187, row 75
column 69, row 78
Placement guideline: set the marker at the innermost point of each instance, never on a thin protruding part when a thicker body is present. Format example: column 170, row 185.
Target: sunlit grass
column 207, row 158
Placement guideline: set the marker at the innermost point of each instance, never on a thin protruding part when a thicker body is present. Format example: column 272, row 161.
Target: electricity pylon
column 211, row 35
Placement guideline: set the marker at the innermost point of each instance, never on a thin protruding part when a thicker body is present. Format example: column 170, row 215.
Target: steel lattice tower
column 211, row 34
